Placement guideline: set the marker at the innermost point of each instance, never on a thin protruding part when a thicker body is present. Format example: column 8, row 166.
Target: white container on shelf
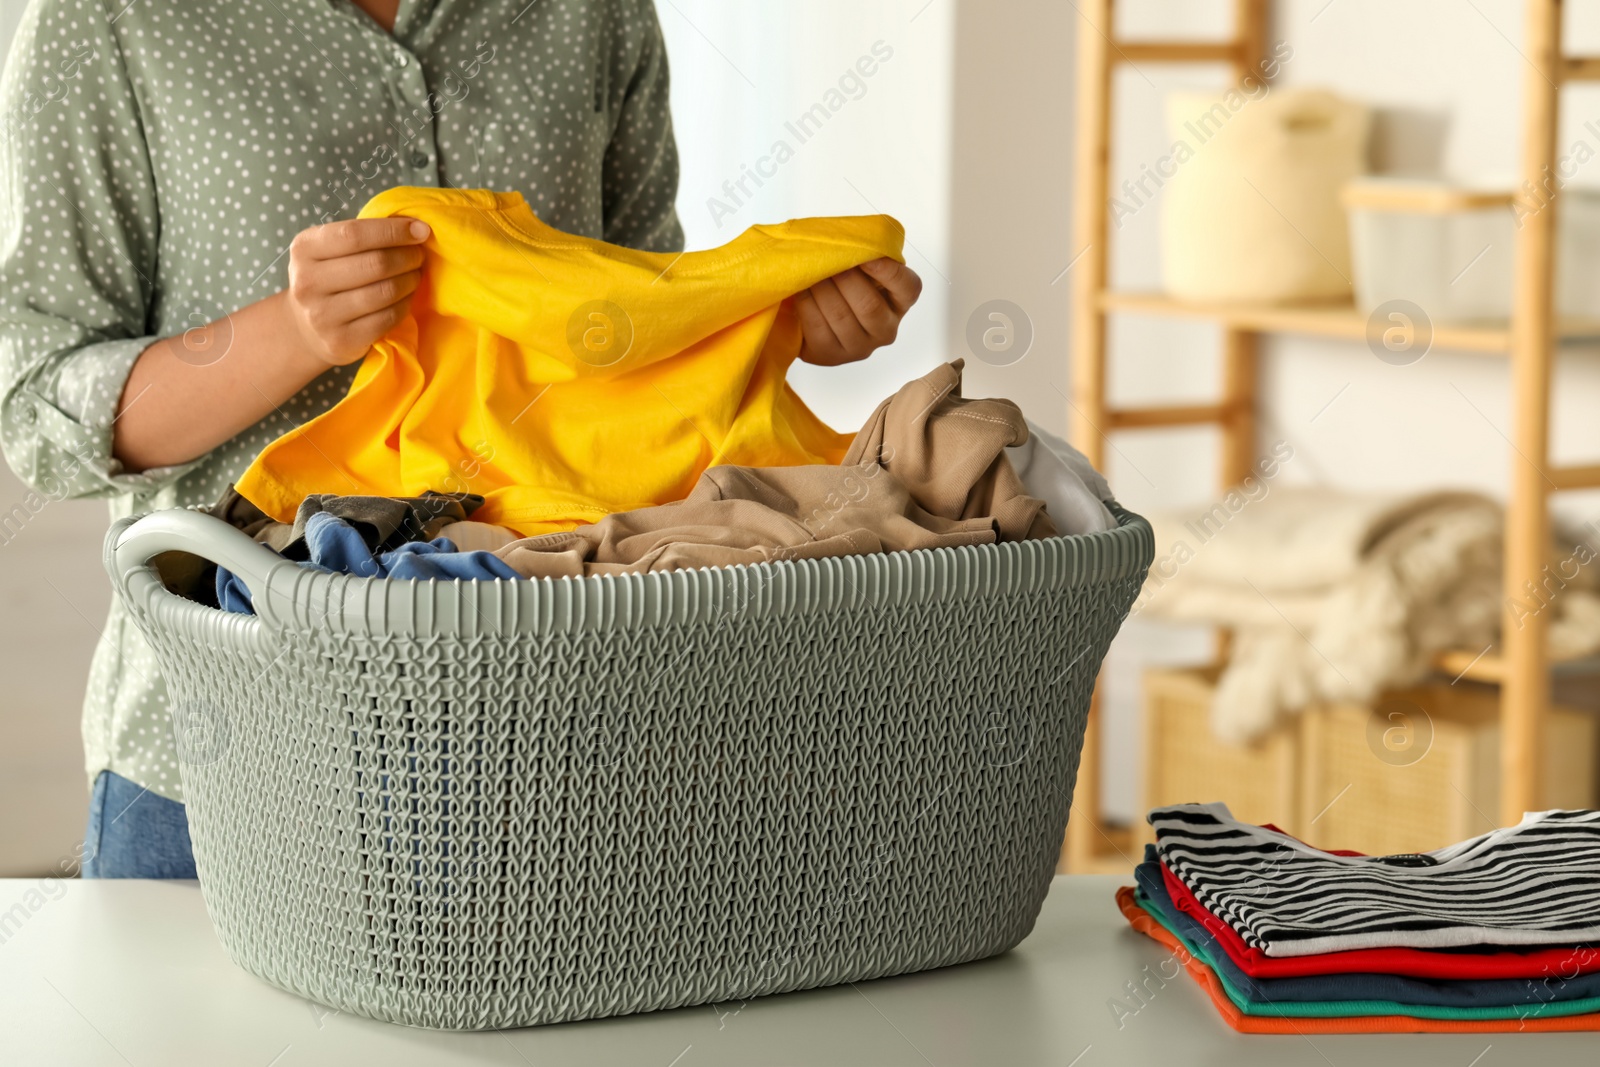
column 1251, row 209
column 1449, row 249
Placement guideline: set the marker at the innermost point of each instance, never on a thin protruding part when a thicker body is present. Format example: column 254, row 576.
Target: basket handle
column 132, row 544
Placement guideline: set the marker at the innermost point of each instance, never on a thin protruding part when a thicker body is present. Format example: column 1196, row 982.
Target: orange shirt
column 563, row 378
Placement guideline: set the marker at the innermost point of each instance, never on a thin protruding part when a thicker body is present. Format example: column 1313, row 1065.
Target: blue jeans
column 135, row 834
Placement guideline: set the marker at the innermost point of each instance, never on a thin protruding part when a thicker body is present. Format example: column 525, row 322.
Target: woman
column 182, row 278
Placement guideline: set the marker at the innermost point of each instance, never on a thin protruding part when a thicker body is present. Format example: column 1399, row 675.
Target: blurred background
column 965, row 132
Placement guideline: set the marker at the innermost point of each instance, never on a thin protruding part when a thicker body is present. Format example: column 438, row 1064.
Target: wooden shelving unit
column 1520, row 664
column 1328, row 320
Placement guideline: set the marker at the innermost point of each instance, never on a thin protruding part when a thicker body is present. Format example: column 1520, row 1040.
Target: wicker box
column 1184, row 761
column 1417, row 770
column 1421, row 768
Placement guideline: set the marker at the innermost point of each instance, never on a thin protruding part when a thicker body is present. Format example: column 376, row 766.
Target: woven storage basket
column 468, row 805
column 1184, row 761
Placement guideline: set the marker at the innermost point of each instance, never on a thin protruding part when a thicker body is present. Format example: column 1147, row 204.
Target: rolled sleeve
column 58, row 440
column 78, row 238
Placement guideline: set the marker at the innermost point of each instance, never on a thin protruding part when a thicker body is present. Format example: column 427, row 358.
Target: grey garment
column 157, row 158
column 1074, row 492
column 384, row 522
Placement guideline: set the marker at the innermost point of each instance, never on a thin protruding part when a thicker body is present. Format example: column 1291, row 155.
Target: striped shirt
column 1536, row 883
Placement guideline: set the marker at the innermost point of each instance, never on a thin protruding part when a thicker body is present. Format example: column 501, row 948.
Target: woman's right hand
column 350, row 281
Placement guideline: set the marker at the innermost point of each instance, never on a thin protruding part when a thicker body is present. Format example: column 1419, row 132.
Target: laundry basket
column 467, row 805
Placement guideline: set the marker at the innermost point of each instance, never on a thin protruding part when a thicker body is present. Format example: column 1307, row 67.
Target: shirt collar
column 413, row 17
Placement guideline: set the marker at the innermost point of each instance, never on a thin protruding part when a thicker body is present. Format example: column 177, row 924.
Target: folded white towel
column 1337, row 596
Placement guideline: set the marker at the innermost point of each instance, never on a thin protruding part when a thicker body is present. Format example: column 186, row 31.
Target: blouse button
column 419, row 159
column 29, row 415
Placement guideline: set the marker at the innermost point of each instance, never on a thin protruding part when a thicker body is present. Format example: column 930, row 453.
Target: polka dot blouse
column 158, row 156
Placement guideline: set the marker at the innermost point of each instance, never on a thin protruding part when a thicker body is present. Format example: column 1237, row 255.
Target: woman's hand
column 349, row 282
column 851, row 315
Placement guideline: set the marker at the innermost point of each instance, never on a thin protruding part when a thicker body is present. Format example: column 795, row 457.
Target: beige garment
column 927, row 471
column 469, row 536
column 948, row 451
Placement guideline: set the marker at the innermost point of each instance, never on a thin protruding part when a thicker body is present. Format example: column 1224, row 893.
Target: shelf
column 1175, row 52
column 1490, row 668
column 1524, row 703
column 1326, row 320
column 1471, row 666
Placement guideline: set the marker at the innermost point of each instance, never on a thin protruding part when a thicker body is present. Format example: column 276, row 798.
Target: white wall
column 10, row 15
column 1447, row 75
column 740, row 72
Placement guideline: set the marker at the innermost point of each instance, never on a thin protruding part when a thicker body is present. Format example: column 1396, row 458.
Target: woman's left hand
column 851, row 315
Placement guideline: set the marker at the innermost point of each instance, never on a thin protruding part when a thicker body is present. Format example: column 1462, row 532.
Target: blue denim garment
column 337, row 547
column 133, row 833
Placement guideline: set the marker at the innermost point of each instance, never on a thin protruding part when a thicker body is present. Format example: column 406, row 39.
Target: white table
column 130, row 972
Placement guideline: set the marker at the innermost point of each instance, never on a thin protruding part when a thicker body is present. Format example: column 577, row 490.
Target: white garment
column 1074, row 493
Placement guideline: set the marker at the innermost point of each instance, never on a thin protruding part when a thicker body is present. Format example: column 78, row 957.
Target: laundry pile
column 554, row 406
column 1497, row 933
column 564, row 379
column 1336, row 596
column 929, row 469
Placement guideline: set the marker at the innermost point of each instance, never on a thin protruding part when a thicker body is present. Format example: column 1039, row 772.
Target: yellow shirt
column 564, row 378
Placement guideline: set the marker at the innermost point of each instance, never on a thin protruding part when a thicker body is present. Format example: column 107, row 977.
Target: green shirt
column 158, row 156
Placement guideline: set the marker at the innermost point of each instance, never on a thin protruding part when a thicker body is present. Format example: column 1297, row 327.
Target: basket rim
column 295, row 598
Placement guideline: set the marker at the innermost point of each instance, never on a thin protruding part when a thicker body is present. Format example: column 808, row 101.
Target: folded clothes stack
column 1497, row 933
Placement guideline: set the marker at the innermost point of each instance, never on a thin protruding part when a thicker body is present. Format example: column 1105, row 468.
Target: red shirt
column 1562, row 962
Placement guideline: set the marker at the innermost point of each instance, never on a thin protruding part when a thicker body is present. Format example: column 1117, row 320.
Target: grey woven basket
column 468, row 805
